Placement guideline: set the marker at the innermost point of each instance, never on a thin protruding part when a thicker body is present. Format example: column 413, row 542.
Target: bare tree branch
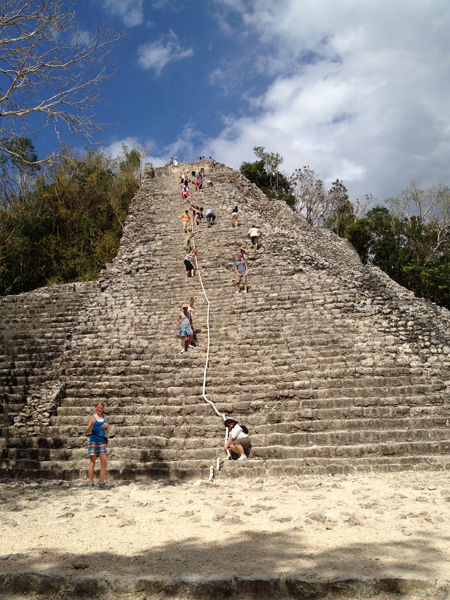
column 50, row 72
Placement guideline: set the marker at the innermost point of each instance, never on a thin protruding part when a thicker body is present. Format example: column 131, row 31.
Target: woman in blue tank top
column 97, row 427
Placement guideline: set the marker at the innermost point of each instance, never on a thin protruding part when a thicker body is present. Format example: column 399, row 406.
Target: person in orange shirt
column 185, row 218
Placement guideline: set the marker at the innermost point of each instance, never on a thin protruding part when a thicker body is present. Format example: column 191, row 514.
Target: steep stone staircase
column 331, row 365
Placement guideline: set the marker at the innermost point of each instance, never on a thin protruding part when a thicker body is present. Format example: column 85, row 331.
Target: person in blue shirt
column 97, row 427
column 210, row 217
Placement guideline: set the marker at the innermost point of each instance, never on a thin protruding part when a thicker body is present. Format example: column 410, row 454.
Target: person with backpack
column 238, row 440
column 97, row 444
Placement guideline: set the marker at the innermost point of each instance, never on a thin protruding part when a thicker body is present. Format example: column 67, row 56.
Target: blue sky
column 358, row 90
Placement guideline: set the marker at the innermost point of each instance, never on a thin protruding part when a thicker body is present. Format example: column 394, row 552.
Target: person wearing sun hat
column 238, row 441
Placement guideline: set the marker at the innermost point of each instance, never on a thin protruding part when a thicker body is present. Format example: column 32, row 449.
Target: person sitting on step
column 187, row 329
column 238, row 441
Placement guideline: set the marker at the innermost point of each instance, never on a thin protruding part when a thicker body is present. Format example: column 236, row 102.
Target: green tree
column 257, row 173
column 272, row 161
column 73, row 220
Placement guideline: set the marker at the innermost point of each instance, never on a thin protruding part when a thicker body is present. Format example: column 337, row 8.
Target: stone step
column 200, row 469
column 287, row 358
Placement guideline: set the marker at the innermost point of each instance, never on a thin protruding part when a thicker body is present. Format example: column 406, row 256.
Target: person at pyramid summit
column 238, row 441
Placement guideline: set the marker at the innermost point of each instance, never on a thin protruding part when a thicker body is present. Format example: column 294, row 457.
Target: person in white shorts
column 238, row 441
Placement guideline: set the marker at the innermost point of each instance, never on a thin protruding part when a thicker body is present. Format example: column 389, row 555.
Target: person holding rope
column 97, row 444
column 238, row 441
column 189, row 260
column 188, row 242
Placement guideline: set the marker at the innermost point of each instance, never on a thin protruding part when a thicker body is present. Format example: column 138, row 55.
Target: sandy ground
column 377, row 524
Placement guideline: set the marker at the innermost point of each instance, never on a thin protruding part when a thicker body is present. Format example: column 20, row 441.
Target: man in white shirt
column 238, row 441
column 254, row 234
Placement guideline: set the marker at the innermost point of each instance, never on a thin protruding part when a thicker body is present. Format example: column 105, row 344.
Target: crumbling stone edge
column 297, row 586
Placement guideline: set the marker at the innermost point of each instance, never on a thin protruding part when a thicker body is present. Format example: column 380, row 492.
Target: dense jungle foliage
column 64, row 224
column 408, row 237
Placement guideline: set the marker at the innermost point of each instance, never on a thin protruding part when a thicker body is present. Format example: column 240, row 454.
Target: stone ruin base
column 260, row 586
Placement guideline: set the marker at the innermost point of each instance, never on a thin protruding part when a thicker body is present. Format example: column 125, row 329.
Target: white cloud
column 359, row 91
column 156, row 55
column 131, row 11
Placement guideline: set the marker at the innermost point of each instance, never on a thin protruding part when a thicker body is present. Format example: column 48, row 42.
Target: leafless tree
column 430, row 207
column 50, row 71
column 312, row 199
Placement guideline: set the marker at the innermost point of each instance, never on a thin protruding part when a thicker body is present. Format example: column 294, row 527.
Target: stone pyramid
column 331, row 365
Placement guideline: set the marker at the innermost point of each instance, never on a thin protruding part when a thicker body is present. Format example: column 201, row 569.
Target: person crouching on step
column 237, row 441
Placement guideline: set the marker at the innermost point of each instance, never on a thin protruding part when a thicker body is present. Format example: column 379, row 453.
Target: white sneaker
column 237, row 292
column 242, row 457
column 191, row 346
column 182, row 351
column 245, row 291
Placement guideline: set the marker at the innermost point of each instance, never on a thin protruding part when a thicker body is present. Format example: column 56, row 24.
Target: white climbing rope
column 210, row 402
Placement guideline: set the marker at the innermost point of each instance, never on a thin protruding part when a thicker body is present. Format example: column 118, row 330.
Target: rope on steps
column 210, row 402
